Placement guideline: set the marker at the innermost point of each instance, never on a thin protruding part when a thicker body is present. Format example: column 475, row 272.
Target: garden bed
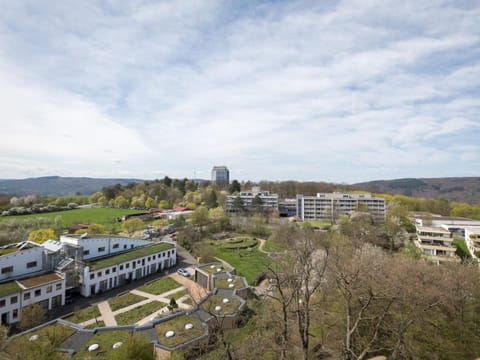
column 124, row 300
column 160, row 286
column 182, row 335
column 132, row 316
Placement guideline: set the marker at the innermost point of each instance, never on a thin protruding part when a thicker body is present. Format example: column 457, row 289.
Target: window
column 13, row 299
column 107, row 271
column 7, row 269
column 99, row 274
column 92, row 276
column 101, row 249
column 153, row 257
column 124, row 247
column 121, row 267
column 2, row 303
column 31, row 264
column 38, row 292
column 86, row 252
column 114, row 269
column 115, row 246
column 148, row 259
column 127, row 266
column 26, row 296
column 58, row 287
column 49, row 289
column 15, row 313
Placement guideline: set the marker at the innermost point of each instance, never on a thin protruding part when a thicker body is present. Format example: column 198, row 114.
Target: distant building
column 329, row 206
column 267, row 201
column 287, row 208
column 436, row 243
column 221, row 176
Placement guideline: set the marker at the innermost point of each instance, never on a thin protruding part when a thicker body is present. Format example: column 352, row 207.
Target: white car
column 183, row 272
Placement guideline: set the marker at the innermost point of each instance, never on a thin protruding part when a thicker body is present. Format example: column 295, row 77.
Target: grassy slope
column 104, row 216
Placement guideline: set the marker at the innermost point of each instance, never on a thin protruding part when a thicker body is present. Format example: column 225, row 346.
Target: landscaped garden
column 182, row 331
column 230, row 283
column 132, row 316
column 124, row 300
column 240, row 242
column 160, row 286
column 27, row 346
column 105, row 341
column 80, row 316
column 221, row 305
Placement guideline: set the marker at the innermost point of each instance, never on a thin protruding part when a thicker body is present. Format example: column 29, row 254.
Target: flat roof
column 8, row 288
column 100, row 263
column 39, row 280
column 433, row 229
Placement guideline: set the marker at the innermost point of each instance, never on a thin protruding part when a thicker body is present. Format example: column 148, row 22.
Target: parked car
column 183, row 272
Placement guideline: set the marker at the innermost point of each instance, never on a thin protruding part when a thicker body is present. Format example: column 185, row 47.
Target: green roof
column 127, row 256
column 9, row 250
column 8, row 288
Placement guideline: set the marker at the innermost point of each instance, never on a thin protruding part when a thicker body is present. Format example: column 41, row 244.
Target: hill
column 57, row 185
column 461, row 189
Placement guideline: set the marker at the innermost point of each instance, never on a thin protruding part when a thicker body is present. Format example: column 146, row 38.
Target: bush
column 259, row 278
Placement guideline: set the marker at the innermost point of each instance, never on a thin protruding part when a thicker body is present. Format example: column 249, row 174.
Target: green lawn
column 270, row 246
column 182, row 335
column 83, row 315
column 228, row 308
column 160, row 286
column 104, row 216
column 223, row 283
column 105, row 339
column 124, row 300
column 139, row 313
column 247, row 262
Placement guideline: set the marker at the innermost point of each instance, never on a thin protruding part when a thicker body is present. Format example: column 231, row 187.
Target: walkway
column 108, row 316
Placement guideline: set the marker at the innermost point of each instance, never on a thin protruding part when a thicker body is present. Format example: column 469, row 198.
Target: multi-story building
column 252, row 200
column 106, row 273
column 329, row 206
column 287, row 208
column 436, row 243
column 33, row 273
column 221, row 176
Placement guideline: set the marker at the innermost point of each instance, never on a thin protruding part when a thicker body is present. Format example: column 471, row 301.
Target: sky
column 336, row 91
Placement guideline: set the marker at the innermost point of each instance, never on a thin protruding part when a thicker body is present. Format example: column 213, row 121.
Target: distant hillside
column 461, row 189
column 57, row 185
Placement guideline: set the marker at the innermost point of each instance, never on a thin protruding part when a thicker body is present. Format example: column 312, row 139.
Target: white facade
column 269, row 200
column 436, row 243
column 102, row 245
column 117, row 270
column 20, row 259
column 47, row 290
column 329, row 206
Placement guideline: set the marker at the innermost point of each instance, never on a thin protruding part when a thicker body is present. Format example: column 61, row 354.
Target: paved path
column 108, row 316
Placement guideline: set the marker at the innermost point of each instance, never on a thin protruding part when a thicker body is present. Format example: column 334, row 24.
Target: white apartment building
column 32, row 273
column 329, row 206
column 47, row 290
column 436, row 243
column 269, row 201
column 106, row 273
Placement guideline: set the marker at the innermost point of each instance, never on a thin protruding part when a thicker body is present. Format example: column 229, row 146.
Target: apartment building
column 329, row 206
column 251, row 200
column 102, row 274
column 33, row 273
column 436, row 243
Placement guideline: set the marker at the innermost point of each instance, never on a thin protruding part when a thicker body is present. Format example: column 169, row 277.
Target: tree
column 150, row 202
column 172, row 306
column 163, row 204
column 132, row 225
column 257, row 203
column 234, row 187
column 237, row 204
column 121, row 202
column 199, row 215
column 211, row 201
column 32, row 315
column 96, row 229
column 41, row 235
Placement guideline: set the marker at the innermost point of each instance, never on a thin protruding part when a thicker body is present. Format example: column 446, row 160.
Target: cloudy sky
column 341, row 91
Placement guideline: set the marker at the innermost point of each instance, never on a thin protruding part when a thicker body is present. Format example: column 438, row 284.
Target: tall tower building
column 221, row 176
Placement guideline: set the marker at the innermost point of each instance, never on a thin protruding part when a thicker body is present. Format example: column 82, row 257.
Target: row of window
column 102, row 249
column 27, row 295
column 9, row 269
column 127, row 265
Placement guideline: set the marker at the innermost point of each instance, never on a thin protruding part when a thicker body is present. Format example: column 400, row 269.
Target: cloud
column 339, row 91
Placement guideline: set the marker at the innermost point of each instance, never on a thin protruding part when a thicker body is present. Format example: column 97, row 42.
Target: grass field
column 247, row 262
column 103, row 216
column 160, row 286
column 84, row 314
column 105, row 340
column 119, row 302
column 139, row 313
